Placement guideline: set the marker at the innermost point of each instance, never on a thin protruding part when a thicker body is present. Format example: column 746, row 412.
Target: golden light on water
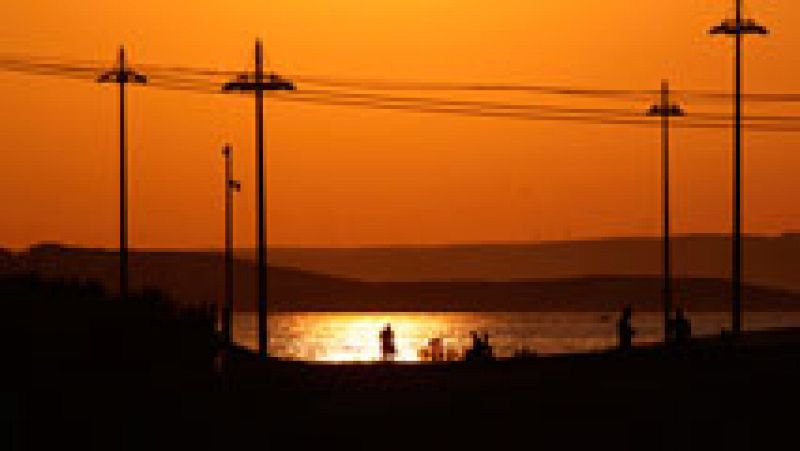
column 347, row 337
column 354, row 337
column 359, row 340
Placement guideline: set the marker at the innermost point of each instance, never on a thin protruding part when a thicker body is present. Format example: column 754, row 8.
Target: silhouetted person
column 475, row 352
column 481, row 350
column 476, row 341
column 682, row 328
column 436, row 346
column 625, row 331
column 487, row 348
column 388, row 350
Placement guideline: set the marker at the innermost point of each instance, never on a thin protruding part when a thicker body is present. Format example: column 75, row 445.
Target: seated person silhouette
column 388, row 350
column 625, row 331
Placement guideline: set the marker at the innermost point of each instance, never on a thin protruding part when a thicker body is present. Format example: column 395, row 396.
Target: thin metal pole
column 227, row 309
column 736, row 270
column 667, row 270
column 261, row 232
column 123, row 184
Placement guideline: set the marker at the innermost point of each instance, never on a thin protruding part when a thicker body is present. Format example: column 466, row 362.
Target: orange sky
column 343, row 176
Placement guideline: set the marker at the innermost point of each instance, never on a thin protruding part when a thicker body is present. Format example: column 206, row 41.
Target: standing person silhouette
column 476, row 351
column 625, row 331
column 683, row 328
column 481, row 349
column 388, row 350
column 488, row 352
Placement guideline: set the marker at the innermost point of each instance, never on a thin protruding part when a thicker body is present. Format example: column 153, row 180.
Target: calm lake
column 347, row 337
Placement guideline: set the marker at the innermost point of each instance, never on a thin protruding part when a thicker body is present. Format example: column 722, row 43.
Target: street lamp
column 737, row 27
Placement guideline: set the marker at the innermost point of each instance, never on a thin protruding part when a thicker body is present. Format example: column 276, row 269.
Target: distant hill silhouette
column 772, row 261
column 196, row 278
column 187, row 277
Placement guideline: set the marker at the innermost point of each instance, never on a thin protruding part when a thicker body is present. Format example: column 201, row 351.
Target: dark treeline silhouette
column 197, row 277
column 80, row 322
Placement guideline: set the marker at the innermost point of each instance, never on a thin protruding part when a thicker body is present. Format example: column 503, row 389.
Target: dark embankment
column 87, row 369
column 195, row 277
column 89, row 372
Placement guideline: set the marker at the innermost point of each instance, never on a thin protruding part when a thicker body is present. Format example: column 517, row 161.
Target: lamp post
column 665, row 110
column 122, row 76
column 257, row 83
column 737, row 28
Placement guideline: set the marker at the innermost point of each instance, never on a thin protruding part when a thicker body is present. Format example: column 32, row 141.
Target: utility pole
column 737, row 28
column 258, row 82
column 231, row 186
column 121, row 75
column 666, row 110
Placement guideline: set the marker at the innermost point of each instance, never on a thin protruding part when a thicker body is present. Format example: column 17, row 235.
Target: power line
column 83, row 76
column 686, row 124
column 338, row 97
column 499, row 87
column 615, row 112
column 400, row 85
column 534, row 112
column 427, row 104
column 625, row 94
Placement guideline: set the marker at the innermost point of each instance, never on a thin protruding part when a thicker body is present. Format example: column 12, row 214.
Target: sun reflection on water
column 348, row 337
column 355, row 337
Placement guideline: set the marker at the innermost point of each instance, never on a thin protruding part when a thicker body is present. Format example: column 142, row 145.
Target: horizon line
column 378, row 246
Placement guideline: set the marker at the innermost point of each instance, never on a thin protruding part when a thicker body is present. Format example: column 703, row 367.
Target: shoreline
column 103, row 374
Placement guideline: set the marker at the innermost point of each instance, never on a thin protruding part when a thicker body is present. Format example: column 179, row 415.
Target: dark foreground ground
column 100, row 374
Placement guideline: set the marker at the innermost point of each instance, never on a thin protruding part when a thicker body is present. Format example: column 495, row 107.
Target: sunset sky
column 347, row 176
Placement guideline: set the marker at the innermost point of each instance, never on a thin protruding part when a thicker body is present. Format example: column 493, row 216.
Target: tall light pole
column 666, row 110
column 257, row 83
column 122, row 75
column 737, row 28
column 231, row 186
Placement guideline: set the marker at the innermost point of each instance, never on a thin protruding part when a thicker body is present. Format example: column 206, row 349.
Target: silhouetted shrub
column 73, row 324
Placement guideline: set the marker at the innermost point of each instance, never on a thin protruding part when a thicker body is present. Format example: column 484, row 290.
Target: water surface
column 344, row 337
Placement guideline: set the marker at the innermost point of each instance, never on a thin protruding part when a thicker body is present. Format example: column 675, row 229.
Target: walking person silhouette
column 625, row 331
